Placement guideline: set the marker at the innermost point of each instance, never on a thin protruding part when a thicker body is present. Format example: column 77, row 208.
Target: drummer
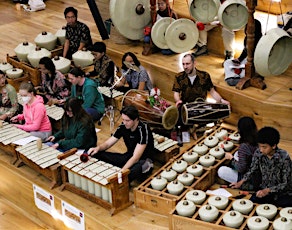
column 134, row 74
column 192, row 84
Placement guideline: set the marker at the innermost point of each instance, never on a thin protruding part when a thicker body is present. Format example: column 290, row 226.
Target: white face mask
column 26, row 99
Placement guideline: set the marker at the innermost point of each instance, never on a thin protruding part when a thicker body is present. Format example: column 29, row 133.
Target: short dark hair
column 77, row 72
column 268, row 135
column 131, row 111
column 71, row 9
column 99, row 47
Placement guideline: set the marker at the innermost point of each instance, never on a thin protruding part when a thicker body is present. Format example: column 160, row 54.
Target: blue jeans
column 93, row 113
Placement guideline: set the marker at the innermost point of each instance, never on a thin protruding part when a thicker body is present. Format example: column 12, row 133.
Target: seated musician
column 192, row 84
column 8, row 99
column 86, row 90
column 240, row 161
column 34, row 113
column 77, row 130
column 135, row 75
column 138, row 139
column 54, row 87
column 274, row 166
column 104, row 67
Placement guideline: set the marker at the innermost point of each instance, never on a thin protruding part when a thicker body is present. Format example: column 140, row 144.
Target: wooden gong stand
column 251, row 77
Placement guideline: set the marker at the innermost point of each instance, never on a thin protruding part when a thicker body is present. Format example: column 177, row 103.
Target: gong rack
column 163, row 202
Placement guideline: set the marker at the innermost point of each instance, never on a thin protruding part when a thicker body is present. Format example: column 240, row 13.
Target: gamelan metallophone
column 166, row 148
column 107, row 92
column 8, row 134
column 45, row 161
column 97, row 181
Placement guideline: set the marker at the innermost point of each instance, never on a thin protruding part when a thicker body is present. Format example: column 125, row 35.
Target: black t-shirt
column 142, row 135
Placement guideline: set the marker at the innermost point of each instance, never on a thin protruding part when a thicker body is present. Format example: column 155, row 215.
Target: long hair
column 49, row 65
column 247, row 129
column 133, row 56
column 79, row 114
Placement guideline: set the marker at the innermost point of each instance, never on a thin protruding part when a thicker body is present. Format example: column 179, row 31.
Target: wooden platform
column 272, row 106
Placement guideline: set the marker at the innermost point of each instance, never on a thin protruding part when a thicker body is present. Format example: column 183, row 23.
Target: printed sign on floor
column 72, row 217
column 43, row 199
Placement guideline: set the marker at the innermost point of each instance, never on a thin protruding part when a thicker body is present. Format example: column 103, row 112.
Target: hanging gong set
column 204, row 11
column 273, row 53
column 130, row 17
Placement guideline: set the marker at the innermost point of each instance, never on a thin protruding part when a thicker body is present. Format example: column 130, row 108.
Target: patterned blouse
column 190, row 92
column 275, row 172
column 56, row 89
column 77, row 34
column 8, row 101
column 104, row 71
column 133, row 78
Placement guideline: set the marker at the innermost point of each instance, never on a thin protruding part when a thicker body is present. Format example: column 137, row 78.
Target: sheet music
column 24, row 141
column 219, row 192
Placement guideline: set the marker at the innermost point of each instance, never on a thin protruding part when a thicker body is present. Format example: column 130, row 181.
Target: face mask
column 26, row 99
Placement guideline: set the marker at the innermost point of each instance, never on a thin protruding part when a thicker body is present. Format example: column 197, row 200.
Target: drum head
column 130, row 17
column 233, row 14
column 204, row 11
column 170, row 117
column 158, row 32
column 182, row 35
column 273, row 53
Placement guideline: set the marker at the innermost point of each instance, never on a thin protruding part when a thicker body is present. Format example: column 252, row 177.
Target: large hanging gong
column 233, row 14
column 204, row 11
column 130, row 17
column 273, row 53
column 158, row 32
column 181, row 35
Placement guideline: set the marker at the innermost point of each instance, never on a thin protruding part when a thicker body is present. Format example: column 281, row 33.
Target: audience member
column 34, row 113
column 86, row 90
column 138, row 139
column 77, row 131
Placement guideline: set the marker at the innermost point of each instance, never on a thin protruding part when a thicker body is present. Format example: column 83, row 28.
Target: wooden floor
column 17, row 26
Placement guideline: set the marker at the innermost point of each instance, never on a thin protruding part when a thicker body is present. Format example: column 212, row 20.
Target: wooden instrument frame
column 119, row 191
column 177, row 222
column 30, row 72
column 161, row 201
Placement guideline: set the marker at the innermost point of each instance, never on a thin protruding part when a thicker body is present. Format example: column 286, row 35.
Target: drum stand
column 110, row 110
